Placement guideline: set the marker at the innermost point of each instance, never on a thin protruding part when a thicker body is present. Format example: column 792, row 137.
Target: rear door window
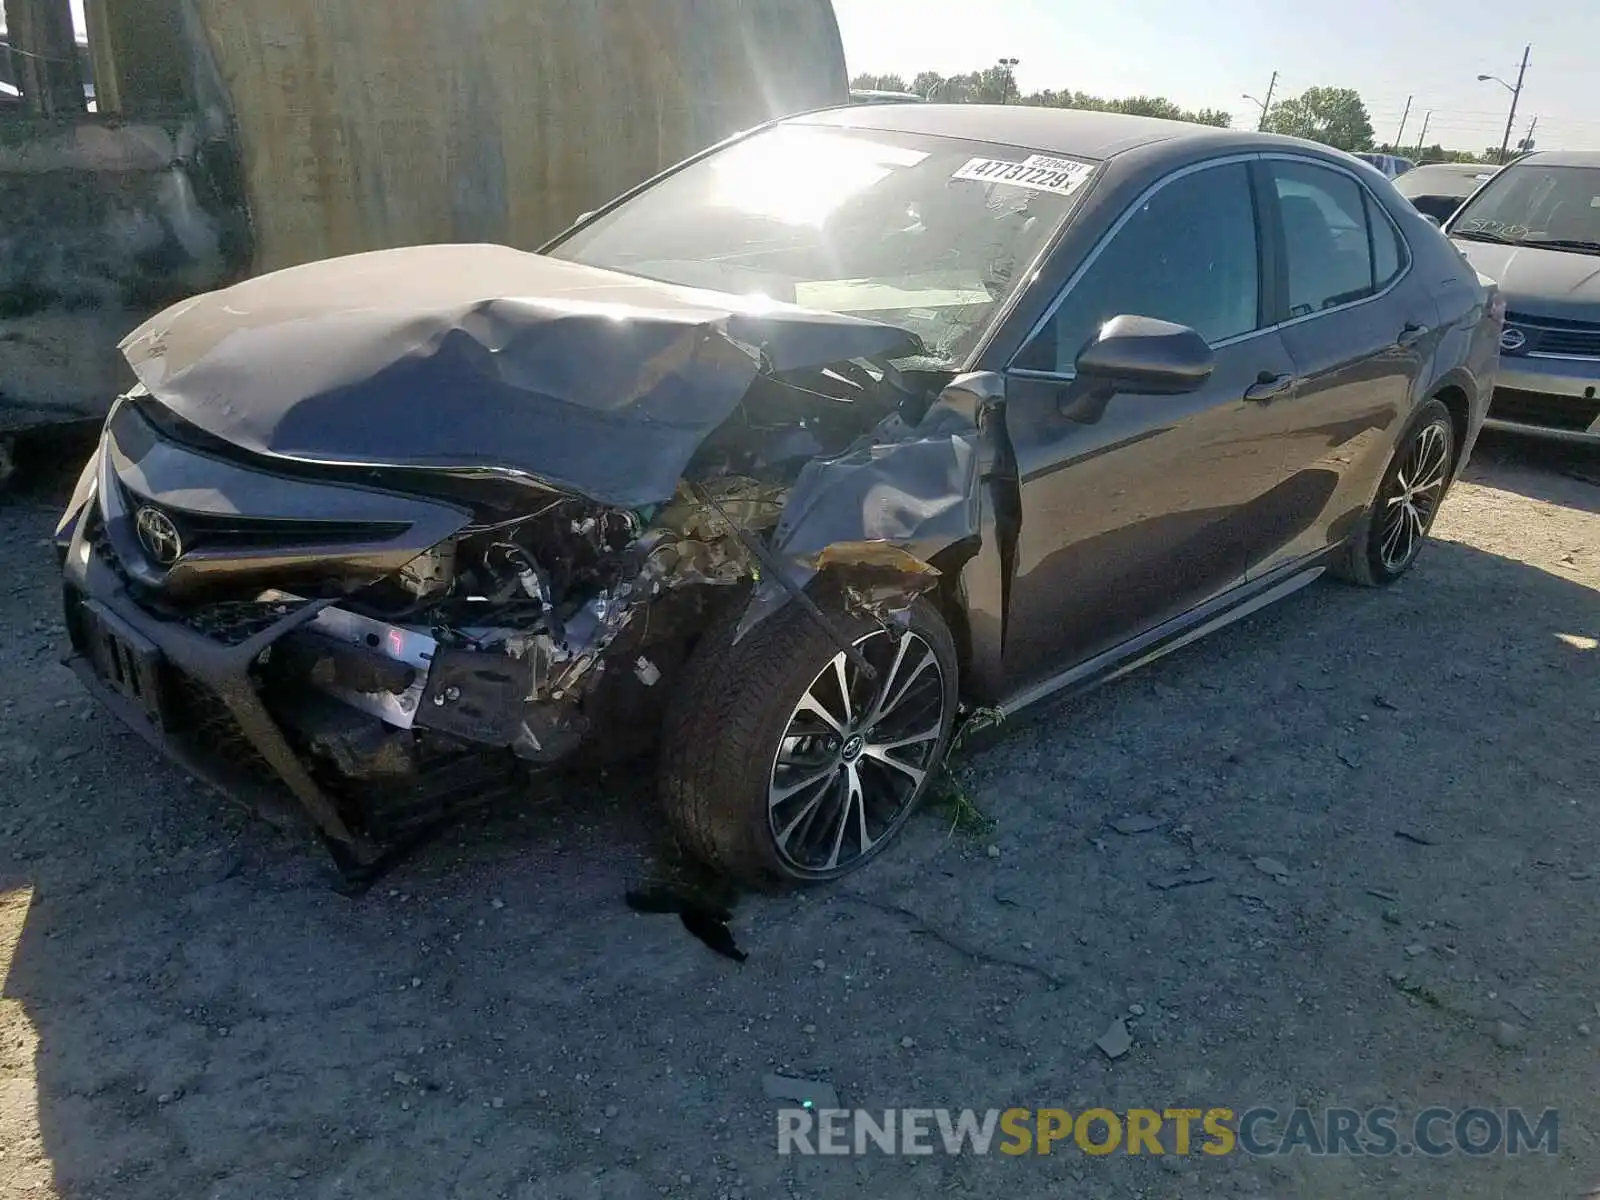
column 1388, row 251
column 1329, row 258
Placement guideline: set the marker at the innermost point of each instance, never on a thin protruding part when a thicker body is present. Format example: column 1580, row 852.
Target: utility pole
column 1516, row 94
column 1009, row 78
column 1426, row 117
column 1403, row 118
column 1526, row 144
column 1272, row 86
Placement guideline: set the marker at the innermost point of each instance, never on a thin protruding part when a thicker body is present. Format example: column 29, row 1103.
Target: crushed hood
column 1559, row 284
column 481, row 357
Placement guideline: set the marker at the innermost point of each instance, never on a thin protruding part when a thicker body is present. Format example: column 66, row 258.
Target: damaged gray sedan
column 778, row 465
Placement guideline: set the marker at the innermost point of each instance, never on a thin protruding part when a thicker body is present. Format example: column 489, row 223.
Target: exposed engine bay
column 511, row 626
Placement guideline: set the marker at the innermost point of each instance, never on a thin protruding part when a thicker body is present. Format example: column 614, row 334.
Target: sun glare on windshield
column 800, row 177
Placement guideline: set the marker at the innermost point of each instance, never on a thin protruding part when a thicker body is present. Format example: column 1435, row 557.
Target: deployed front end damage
column 384, row 537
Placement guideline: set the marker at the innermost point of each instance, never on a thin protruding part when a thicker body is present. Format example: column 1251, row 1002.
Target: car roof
column 1075, row 132
column 1459, row 168
column 1437, row 172
column 1560, row 158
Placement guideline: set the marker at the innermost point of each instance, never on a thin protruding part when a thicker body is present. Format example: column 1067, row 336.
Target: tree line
column 1334, row 116
column 996, row 85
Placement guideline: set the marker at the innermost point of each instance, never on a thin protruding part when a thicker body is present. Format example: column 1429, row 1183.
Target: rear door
column 1357, row 329
column 1139, row 516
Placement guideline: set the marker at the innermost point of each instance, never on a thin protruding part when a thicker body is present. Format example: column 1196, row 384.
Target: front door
column 1142, row 514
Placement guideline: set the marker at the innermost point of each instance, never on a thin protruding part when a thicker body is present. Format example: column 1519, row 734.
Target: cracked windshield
column 1555, row 207
column 930, row 234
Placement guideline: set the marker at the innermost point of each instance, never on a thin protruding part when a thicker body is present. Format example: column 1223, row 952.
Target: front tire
column 782, row 763
column 1394, row 528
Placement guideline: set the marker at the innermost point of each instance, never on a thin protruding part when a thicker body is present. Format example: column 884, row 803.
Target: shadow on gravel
column 1551, row 471
column 214, row 1021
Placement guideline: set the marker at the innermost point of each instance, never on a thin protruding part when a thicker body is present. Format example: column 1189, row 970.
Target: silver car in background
column 1535, row 229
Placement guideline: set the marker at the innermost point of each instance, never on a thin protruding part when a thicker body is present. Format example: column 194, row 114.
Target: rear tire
column 1392, row 531
column 781, row 763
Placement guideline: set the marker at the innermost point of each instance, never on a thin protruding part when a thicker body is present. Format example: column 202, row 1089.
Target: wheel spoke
column 852, row 800
column 887, row 702
column 777, row 795
column 880, row 755
column 1407, row 536
column 841, row 677
column 863, row 838
column 926, row 735
column 1435, row 479
column 901, row 646
column 810, row 704
column 1391, row 534
column 806, row 814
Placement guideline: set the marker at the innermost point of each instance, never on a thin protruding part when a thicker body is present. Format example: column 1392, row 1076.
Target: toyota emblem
column 158, row 535
column 1512, row 339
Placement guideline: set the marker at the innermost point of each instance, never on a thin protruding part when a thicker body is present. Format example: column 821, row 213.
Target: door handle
column 1411, row 334
column 1269, row 387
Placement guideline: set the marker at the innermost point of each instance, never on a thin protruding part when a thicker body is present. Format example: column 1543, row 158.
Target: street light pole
column 1426, row 117
column 1516, row 93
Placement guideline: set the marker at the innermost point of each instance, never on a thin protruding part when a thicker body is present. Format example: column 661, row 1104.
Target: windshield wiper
column 1577, row 244
column 1483, row 235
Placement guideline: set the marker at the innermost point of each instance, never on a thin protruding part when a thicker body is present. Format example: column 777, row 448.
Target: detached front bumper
column 1548, row 396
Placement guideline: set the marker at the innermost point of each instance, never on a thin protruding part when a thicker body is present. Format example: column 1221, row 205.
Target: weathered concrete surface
column 372, row 125
column 105, row 223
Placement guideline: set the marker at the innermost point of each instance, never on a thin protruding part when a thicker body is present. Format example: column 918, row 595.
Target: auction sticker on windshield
column 1037, row 172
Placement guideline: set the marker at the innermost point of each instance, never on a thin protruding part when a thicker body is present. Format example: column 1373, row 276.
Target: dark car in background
column 1437, row 189
column 1535, row 228
column 848, row 429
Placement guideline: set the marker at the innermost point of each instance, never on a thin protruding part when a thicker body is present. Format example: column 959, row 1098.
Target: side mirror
column 1140, row 356
column 1433, row 220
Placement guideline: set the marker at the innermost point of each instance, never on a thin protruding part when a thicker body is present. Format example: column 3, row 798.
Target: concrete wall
column 104, row 223
column 367, row 125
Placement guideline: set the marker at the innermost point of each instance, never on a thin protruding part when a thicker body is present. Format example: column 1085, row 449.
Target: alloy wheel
column 855, row 753
column 1413, row 499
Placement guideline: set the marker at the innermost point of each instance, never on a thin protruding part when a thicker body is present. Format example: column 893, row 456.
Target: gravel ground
column 187, row 1009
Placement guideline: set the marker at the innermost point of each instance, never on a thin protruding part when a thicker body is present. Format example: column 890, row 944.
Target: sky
column 1209, row 53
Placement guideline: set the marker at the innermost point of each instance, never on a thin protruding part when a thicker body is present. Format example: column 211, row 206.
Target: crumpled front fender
column 877, row 516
